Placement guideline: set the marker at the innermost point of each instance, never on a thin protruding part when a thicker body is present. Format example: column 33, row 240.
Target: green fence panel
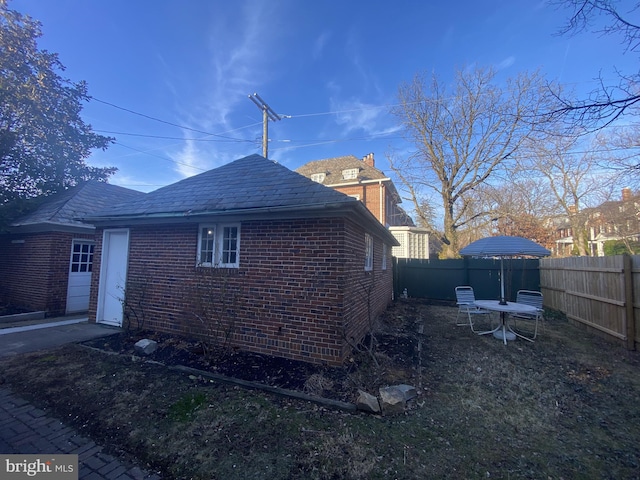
column 436, row 279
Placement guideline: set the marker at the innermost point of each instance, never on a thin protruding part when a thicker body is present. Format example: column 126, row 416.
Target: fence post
column 627, row 267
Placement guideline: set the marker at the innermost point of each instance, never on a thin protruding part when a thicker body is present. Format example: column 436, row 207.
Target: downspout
column 382, row 219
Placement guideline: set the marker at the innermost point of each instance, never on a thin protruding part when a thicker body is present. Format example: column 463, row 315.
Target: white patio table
column 504, row 331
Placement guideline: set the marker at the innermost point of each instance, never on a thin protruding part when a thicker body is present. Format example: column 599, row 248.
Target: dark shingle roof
column 333, row 167
column 65, row 208
column 251, row 182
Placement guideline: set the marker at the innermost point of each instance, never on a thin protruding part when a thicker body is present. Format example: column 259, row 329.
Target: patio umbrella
column 504, row 246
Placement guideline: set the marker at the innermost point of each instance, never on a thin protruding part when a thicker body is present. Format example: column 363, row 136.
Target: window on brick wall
column 219, row 246
column 384, row 256
column 368, row 252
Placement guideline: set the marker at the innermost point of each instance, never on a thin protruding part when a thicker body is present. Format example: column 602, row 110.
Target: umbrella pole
column 502, row 299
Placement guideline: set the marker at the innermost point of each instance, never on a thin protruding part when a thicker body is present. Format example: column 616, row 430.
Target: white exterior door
column 113, row 274
column 79, row 276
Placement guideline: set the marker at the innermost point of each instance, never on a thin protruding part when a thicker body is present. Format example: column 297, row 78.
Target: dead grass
column 563, row 407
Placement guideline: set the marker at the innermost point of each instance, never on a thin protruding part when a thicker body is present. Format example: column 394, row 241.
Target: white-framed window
column 82, row 256
column 384, row 256
column 318, row 177
column 368, row 252
column 350, row 173
column 219, row 246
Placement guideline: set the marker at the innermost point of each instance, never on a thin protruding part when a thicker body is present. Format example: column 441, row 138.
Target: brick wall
column 370, row 196
column 293, row 296
column 34, row 274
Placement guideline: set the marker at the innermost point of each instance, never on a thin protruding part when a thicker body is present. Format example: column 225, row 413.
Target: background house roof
column 333, row 167
column 65, row 208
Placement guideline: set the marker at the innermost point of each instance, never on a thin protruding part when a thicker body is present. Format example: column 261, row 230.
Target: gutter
column 359, row 182
column 188, row 214
column 368, row 220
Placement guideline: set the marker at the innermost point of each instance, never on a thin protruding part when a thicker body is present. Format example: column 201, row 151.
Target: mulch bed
column 336, row 383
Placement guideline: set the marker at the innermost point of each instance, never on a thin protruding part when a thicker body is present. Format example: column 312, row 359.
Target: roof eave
column 171, row 217
column 260, row 213
column 39, row 227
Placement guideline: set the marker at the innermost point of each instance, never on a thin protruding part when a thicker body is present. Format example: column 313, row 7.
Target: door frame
column 75, row 241
column 103, row 288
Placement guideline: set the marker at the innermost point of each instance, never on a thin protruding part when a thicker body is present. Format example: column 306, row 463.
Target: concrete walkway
column 25, row 429
column 35, row 336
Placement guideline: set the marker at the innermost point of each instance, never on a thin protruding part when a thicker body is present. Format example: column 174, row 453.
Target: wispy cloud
column 239, row 53
column 506, row 63
column 354, row 115
column 320, row 43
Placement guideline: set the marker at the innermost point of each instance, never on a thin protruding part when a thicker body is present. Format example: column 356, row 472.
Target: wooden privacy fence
column 600, row 292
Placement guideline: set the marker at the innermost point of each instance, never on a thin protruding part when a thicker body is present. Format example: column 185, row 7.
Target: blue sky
column 333, row 66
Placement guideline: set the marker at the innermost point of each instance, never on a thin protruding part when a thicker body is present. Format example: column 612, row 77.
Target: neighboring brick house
column 46, row 258
column 250, row 253
column 359, row 178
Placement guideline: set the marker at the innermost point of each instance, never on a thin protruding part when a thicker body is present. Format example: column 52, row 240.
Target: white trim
column 218, row 232
column 368, row 252
column 318, row 177
column 102, row 286
column 385, row 253
column 350, row 173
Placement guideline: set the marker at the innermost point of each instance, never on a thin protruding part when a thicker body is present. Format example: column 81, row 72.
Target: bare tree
column 522, row 208
column 574, row 180
column 609, row 102
column 621, row 155
column 464, row 136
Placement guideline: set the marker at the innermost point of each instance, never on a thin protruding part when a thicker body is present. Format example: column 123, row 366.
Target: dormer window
column 350, row 173
column 318, row 177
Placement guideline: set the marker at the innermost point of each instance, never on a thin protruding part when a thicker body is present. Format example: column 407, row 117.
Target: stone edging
column 325, row 402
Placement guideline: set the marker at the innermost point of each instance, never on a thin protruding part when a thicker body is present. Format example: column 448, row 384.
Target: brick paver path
column 24, row 429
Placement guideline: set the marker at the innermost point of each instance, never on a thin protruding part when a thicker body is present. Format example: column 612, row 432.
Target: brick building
column 46, row 258
column 250, row 253
column 614, row 220
column 359, row 178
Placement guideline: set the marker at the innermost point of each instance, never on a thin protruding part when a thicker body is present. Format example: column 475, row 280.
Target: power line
column 230, row 140
column 157, row 119
column 160, row 157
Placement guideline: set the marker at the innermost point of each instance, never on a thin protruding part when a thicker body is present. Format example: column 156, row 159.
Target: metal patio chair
column 465, row 299
column 534, row 299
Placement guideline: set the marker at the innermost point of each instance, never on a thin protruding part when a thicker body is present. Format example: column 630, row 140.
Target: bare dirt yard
column 564, row 407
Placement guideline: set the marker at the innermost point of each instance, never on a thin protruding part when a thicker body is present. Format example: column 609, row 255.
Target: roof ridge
column 69, row 198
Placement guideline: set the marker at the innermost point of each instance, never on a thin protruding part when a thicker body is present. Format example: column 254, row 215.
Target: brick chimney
column 626, row 194
column 368, row 160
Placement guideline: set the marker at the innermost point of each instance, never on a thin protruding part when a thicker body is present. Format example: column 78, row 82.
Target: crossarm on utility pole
column 267, row 114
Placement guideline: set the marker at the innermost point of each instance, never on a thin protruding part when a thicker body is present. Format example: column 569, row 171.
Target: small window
column 384, row 256
column 219, row 246
column 350, row 173
column 318, row 177
column 368, row 252
column 82, row 257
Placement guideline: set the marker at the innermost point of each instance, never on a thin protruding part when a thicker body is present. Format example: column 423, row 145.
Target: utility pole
column 267, row 114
